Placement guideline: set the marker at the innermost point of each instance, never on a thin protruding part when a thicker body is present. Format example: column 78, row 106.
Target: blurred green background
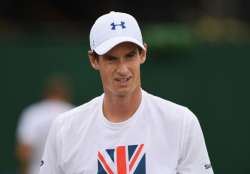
column 211, row 78
column 198, row 56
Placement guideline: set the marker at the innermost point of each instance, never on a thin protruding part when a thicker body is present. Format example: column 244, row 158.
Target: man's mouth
column 122, row 80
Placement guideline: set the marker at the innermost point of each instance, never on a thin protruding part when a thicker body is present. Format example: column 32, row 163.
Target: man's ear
column 143, row 53
column 93, row 58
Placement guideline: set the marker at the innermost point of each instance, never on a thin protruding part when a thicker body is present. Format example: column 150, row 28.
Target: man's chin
column 126, row 91
column 122, row 93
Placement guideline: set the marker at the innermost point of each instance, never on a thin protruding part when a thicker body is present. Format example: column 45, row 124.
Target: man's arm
column 194, row 157
column 25, row 137
column 23, row 152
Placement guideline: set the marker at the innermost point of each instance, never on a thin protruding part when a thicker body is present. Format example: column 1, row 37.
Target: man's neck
column 120, row 108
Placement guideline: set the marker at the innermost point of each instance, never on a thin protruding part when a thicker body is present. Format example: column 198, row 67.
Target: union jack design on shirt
column 122, row 160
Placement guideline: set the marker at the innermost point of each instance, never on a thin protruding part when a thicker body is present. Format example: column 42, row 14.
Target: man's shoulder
column 162, row 103
column 31, row 113
column 79, row 114
column 34, row 107
column 168, row 108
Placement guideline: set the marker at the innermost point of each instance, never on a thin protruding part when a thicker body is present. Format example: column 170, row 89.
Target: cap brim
column 109, row 44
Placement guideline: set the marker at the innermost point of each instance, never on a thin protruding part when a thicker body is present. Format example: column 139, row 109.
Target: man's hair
column 97, row 56
column 59, row 85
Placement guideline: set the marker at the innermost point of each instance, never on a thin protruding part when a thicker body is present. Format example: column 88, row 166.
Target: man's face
column 120, row 69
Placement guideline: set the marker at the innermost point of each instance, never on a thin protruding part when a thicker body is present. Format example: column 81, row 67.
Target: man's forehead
column 124, row 47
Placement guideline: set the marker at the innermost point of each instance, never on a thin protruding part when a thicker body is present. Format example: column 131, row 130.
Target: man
column 35, row 121
column 125, row 130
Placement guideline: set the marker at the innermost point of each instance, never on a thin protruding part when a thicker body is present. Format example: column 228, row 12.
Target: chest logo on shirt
column 122, row 160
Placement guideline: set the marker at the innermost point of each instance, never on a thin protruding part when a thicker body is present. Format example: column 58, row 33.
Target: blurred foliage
column 168, row 36
column 227, row 30
column 207, row 29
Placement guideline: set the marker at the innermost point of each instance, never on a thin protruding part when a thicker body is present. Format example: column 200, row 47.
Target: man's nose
column 122, row 68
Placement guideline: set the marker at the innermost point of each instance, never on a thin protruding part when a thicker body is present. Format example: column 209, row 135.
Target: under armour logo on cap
column 122, row 25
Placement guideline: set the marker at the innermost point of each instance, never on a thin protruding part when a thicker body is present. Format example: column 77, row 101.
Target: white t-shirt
column 34, row 125
column 160, row 138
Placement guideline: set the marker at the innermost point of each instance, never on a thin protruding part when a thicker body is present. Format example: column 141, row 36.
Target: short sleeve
column 26, row 128
column 50, row 162
column 194, row 158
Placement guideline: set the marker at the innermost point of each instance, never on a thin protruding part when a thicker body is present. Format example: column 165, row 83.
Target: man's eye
column 130, row 55
column 111, row 59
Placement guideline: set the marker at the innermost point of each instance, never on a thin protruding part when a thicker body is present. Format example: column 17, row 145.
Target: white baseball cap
column 113, row 28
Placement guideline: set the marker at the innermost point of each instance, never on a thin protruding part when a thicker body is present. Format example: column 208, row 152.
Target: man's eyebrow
column 110, row 56
column 131, row 52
